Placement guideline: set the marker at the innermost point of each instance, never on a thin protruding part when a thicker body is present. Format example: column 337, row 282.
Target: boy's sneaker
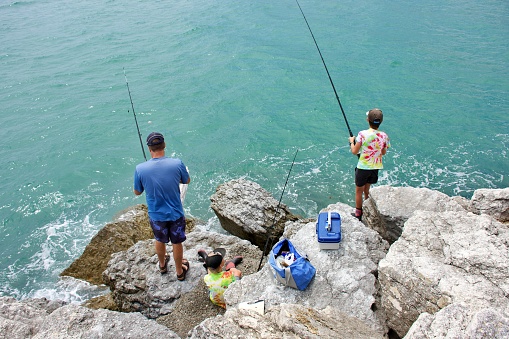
column 202, row 255
column 358, row 213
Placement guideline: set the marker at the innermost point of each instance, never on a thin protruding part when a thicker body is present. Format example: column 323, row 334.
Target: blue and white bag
column 290, row 266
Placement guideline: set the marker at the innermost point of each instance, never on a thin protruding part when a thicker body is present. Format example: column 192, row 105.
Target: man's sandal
column 182, row 276
column 164, row 269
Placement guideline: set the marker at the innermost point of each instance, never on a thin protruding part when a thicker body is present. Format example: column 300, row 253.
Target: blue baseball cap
column 155, row 138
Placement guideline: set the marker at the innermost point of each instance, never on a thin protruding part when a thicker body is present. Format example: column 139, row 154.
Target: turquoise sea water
column 237, row 87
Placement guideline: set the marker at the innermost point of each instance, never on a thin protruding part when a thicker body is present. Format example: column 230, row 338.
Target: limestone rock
column 41, row 319
column 345, row 278
column 493, row 202
column 248, row 211
column 130, row 227
column 459, row 321
column 443, row 258
column 284, row 321
column 73, row 321
column 22, row 319
column 137, row 286
column 104, row 301
column 292, row 227
column 448, row 271
column 388, row 208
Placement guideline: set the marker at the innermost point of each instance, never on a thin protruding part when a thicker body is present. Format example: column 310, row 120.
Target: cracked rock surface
column 443, row 258
column 344, row 280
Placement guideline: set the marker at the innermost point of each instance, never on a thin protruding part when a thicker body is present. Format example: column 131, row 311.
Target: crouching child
column 220, row 274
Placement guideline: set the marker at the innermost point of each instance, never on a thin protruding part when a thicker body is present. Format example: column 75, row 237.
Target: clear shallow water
column 237, row 88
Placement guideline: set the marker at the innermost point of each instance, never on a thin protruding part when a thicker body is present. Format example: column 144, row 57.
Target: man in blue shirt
column 160, row 177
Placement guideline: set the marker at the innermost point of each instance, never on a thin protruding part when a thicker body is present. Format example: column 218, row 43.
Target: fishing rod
column 134, row 113
column 275, row 213
column 327, row 70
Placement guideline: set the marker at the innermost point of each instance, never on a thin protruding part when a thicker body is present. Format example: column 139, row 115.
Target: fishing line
column 275, row 213
column 134, row 113
column 327, row 70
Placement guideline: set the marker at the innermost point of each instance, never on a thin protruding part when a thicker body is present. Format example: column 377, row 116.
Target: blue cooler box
column 328, row 230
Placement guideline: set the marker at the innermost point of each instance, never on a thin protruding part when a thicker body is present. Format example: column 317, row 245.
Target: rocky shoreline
column 420, row 265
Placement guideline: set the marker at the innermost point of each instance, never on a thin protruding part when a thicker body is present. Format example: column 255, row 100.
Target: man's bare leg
column 161, row 252
column 178, row 254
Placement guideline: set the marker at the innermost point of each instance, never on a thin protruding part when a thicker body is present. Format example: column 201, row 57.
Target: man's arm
column 183, row 175
column 137, row 184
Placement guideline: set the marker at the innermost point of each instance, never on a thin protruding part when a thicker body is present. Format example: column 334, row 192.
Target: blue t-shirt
column 160, row 179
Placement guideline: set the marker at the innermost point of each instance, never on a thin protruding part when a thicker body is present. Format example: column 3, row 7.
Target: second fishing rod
column 327, row 70
column 271, row 229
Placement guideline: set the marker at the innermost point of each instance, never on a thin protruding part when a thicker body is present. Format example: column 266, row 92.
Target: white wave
column 69, row 290
column 57, row 244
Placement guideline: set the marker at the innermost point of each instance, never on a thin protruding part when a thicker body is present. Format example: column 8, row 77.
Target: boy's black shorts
column 363, row 177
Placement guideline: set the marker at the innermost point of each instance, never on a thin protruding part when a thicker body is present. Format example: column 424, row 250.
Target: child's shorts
column 363, row 177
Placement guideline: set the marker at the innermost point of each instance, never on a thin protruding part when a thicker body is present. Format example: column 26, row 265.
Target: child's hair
column 215, row 270
column 158, row 147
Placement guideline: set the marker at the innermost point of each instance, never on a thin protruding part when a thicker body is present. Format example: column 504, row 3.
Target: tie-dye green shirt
column 217, row 284
column 372, row 143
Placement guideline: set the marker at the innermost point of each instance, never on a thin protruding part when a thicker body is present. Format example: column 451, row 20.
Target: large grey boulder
column 285, row 321
column 444, row 258
column 73, row 321
column 137, row 286
column 41, row 319
column 460, row 321
column 248, row 211
column 22, row 319
column 494, row 202
column 128, row 228
column 388, row 208
column 344, row 280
